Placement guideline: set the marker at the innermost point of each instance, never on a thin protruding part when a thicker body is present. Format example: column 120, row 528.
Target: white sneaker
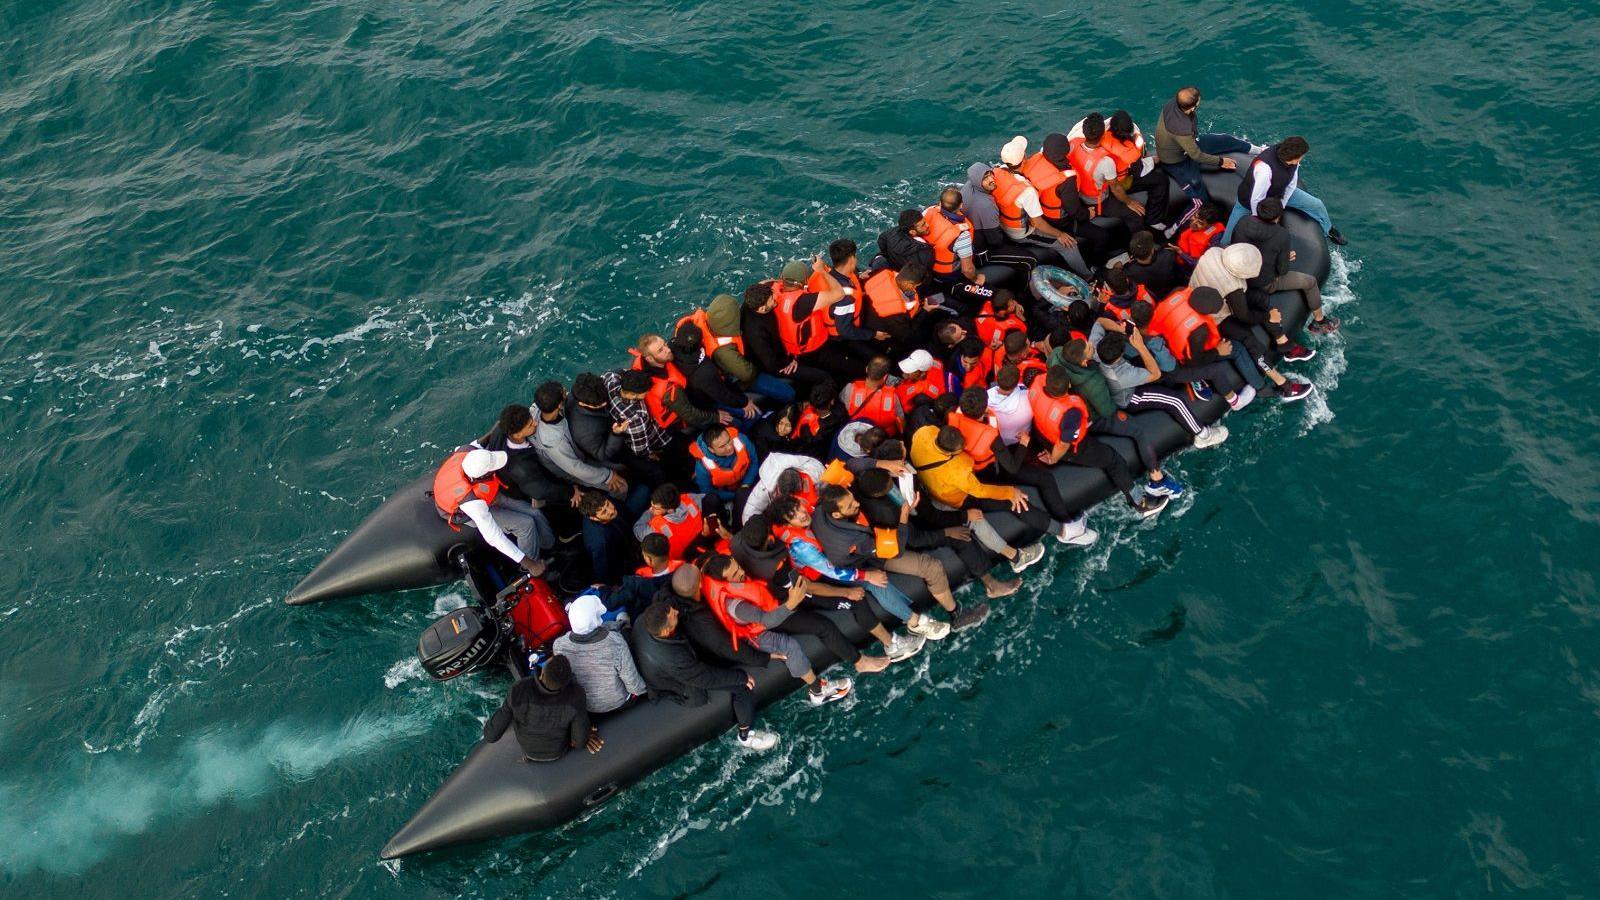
column 1027, row 556
column 832, row 689
column 1077, row 533
column 757, row 740
column 1242, row 399
column 1210, row 436
column 904, row 646
column 929, row 627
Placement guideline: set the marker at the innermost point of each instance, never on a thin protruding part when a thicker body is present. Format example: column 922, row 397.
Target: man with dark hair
column 1014, row 464
column 821, row 417
column 752, row 615
column 702, row 628
column 647, row 443
column 952, row 495
column 1275, row 172
column 906, row 242
column 547, row 714
column 1022, row 211
column 1136, row 388
column 1063, row 419
column 846, row 312
column 523, row 475
column 1265, row 232
column 611, row 547
column 1182, row 151
column 1156, row 268
column 691, row 523
column 791, row 524
column 553, row 442
column 671, row 670
column 1107, row 168
column 847, row 540
column 1238, row 344
column 596, row 437
column 803, row 299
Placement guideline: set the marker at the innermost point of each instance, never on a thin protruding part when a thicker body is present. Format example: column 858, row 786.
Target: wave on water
column 65, row 830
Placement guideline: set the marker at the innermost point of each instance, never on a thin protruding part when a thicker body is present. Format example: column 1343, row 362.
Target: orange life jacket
column 837, row 473
column 852, row 289
column 809, row 424
column 980, row 435
column 1029, row 368
column 722, row 475
column 718, row 593
column 1126, row 153
column 1110, row 304
column 803, row 336
column 1175, row 320
column 808, row 491
column 1193, row 244
column 452, row 487
column 645, row 571
column 980, row 375
column 1048, row 412
column 931, row 386
column 709, row 340
column 1084, row 160
column 942, row 235
column 661, row 389
column 878, row 405
column 1045, row 178
column 1008, row 188
column 683, row 533
column 989, row 325
column 885, row 296
column 788, row 534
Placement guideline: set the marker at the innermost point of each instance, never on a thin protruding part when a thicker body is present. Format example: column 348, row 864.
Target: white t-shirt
column 1012, row 412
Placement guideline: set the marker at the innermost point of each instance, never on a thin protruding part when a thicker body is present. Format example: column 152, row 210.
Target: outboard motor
column 464, row 641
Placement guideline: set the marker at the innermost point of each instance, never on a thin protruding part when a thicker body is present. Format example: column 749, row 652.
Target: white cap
column 478, row 463
column 918, row 361
column 584, row 612
column 1014, row 150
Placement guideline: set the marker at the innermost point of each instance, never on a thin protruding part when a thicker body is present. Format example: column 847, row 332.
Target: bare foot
column 868, row 664
column 1003, row 588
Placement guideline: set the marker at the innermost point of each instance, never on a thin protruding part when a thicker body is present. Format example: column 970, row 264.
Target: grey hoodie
column 553, row 442
column 977, row 202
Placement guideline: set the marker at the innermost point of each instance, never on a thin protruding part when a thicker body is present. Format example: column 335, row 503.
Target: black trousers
column 1121, row 425
column 1219, row 375
column 1034, row 516
column 1157, row 191
column 837, row 359
column 744, row 706
column 1095, row 454
column 804, row 621
column 1042, row 479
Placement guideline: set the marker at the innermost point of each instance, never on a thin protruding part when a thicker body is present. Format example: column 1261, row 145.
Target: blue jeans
column 773, row 388
column 1300, row 199
column 1245, row 365
column 892, row 599
column 1187, row 173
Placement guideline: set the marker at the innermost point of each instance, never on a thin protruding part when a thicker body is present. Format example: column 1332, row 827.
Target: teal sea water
column 260, row 264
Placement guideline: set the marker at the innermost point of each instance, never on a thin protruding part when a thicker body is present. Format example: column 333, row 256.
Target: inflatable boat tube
column 404, row 544
column 494, row 794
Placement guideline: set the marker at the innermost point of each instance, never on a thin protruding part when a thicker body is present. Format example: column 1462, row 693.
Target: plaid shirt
column 644, row 435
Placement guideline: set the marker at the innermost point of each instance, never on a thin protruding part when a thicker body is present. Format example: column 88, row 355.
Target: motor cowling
column 464, row 641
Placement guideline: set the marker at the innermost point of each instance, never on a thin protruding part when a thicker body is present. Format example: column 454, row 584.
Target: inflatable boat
column 404, row 544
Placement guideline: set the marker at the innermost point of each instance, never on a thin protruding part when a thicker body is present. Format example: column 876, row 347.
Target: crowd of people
column 777, row 455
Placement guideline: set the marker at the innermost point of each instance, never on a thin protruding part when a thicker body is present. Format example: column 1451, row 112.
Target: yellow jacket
column 948, row 478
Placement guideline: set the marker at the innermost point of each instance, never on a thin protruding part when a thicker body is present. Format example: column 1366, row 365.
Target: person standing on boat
column 1275, row 172
column 467, row 491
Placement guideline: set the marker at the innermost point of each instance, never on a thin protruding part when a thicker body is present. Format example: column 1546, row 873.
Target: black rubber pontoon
column 493, row 794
